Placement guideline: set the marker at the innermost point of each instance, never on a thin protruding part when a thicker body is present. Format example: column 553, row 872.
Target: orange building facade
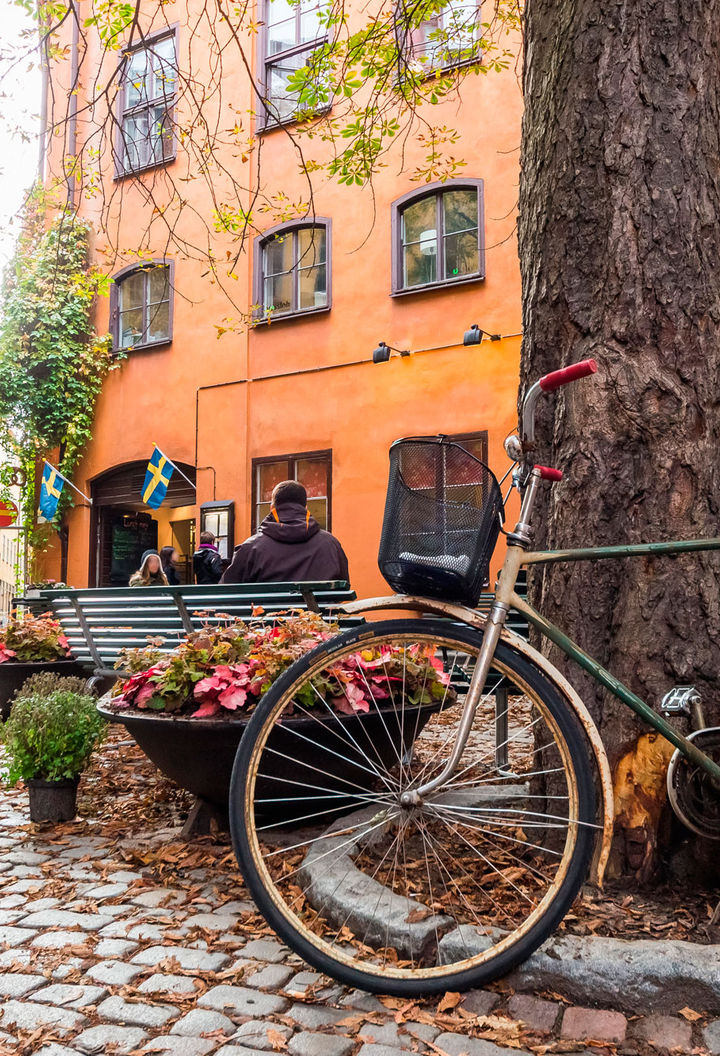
column 410, row 264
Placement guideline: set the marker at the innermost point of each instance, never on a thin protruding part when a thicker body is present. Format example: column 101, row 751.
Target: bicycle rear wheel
column 442, row 896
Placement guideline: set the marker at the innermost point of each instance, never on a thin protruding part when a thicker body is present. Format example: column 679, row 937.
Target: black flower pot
column 53, row 801
column 14, row 674
column 198, row 754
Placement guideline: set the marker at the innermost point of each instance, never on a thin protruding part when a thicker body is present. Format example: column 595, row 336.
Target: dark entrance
column 122, row 527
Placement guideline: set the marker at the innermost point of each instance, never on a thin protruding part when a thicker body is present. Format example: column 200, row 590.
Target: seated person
column 289, row 546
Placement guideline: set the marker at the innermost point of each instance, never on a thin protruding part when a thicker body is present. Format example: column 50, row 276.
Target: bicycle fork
column 518, row 541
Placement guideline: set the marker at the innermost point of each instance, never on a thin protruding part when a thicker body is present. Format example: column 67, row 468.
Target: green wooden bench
column 99, row 623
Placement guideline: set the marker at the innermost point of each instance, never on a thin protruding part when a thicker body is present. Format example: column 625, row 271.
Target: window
column 449, row 37
column 438, row 236
column 141, row 306
column 313, row 470
column 147, row 100
column 293, row 270
column 293, row 30
column 219, row 518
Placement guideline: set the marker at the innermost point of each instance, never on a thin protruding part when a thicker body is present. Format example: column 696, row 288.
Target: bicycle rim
column 446, row 895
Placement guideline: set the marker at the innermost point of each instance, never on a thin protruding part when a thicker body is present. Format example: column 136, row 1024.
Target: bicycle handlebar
column 574, row 372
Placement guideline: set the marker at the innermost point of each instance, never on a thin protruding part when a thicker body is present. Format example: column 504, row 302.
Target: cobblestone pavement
column 145, row 945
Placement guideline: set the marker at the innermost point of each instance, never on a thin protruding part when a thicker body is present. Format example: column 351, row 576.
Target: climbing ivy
column 52, row 363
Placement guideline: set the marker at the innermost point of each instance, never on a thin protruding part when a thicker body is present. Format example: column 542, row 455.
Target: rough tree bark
column 620, row 256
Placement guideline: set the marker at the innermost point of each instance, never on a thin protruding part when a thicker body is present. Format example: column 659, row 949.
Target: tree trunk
column 620, row 255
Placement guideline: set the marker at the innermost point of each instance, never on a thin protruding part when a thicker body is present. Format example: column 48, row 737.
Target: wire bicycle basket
column 443, row 514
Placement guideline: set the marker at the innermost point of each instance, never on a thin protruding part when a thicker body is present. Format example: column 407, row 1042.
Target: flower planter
column 13, row 674
column 53, row 801
column 198, row 754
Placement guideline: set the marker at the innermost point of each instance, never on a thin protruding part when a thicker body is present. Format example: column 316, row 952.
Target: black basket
column 442, row 518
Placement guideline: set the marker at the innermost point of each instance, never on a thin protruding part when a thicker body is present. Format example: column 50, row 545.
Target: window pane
column 211, row 523
column 281, row 100
column 420, row 263
column 419, row 219
column 270, row 474
column 135, row 139
column 263, row 509
column 282, row 36
column 461, row 254
column 159, row 289
column 311, row 246
column 278, row 293
column 159, row 321
column 278, row 11
column 132, row 291
column 136, row 72
column 312, row 292
column 164, row 65
column 131, row 328
column 461, row 212
column 278, row 255
column 310, row 25
column 318, row 510
column 313, row 474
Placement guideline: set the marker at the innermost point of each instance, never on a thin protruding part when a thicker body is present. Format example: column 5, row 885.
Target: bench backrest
column 100, row 622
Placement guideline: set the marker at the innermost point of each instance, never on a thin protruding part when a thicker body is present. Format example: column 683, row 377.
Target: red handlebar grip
column 574, row 372
column 548, row 473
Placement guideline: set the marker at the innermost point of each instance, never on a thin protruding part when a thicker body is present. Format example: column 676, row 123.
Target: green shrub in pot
column 49, row 740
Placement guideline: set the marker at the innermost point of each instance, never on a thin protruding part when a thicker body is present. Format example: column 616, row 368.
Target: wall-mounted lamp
column 381, row 354
column 475, row 334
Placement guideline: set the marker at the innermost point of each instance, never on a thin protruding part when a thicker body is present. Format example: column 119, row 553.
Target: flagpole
column 50, row 466
column 170, row 461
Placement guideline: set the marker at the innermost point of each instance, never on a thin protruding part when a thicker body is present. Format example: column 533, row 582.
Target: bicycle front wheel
column 444, row 895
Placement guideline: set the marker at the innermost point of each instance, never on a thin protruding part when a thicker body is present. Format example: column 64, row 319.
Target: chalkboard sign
column 129, row 539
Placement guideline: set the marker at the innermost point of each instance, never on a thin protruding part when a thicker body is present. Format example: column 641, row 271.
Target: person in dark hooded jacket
column 289, row 546
column 207, row 563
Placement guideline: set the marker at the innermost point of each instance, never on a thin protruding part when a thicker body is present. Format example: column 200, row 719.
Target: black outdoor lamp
column 381, row 354
column 475, row 334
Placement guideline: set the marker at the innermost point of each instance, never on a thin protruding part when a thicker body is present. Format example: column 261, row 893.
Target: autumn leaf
column 451, row 1000
column 690, row 1014
column 277, row 1040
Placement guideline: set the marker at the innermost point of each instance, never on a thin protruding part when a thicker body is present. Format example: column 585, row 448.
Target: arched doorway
column 122, row 527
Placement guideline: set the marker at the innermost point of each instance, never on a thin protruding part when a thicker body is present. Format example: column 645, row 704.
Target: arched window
column 141, row 305
column 292, row 270
column 438, row 237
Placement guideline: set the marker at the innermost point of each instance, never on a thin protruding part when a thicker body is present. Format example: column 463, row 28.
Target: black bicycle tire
column 476, row 976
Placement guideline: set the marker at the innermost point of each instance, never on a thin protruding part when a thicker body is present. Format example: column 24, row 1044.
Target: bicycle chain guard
column 691, row 792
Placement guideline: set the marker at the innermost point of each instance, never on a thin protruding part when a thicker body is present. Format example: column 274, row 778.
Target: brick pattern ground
column 99, row 954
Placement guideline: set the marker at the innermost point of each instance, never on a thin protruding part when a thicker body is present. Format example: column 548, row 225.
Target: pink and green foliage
column 26, row 639
column 224, row 671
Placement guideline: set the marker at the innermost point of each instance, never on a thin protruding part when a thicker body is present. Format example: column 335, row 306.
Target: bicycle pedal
column 680, row 700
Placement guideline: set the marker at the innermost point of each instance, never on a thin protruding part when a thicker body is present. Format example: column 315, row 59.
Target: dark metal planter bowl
column 13, row 675
column 198, row 754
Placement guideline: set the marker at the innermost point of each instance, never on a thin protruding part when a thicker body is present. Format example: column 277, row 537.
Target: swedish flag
column 157, row 478
column 51, row 486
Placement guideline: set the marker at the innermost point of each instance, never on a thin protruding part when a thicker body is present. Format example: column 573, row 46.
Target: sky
column 19, row 109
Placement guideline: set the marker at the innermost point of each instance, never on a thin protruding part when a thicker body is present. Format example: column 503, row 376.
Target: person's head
column 208, row 538
column 150, row 565
column 169, row 556
column 289, row 492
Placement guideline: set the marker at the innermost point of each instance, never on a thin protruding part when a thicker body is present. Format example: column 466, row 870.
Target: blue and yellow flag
column 50, row 488
column 157, row 478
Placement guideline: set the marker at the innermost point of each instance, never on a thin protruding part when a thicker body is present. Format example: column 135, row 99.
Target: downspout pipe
column 73, row 104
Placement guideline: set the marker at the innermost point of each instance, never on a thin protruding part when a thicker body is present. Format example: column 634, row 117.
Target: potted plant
column 187, row 709
column 28, row 645
column 49, row 739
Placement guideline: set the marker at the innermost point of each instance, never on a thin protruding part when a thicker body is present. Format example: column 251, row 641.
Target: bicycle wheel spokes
column 357, row 879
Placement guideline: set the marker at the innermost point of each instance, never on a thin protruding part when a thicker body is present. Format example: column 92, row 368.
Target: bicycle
column 431, row 840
